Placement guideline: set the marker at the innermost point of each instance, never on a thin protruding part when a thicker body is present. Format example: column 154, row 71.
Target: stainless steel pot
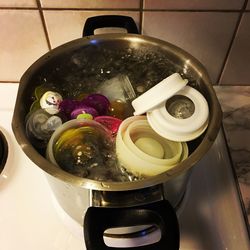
column 146, row 61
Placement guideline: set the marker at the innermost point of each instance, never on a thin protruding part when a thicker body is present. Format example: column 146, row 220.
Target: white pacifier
column 50, row 102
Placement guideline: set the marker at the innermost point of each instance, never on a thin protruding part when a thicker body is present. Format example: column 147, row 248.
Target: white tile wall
column 205, row 35
column 18, row 3
column 64, row 26
column 21, row 44
column 111, row 4
column 194, row 4
column 237, row 68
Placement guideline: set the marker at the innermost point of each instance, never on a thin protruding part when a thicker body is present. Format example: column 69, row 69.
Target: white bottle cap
column 176, row 129
column 158, row 94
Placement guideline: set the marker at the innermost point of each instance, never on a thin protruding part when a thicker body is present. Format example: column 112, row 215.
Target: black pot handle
column 162, row 214
column 106, row 21
column 3, row 151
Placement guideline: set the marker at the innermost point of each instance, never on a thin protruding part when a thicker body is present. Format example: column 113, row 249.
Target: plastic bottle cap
column 85, row 116
column 176, row 129
column 158, row 94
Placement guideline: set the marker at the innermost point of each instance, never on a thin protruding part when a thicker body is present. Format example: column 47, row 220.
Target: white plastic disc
column 158, row 94
column 177, row 129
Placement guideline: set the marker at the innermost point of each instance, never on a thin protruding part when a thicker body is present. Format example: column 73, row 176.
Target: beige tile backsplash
column 194, row 4
column 97, row 4
column 18, row 3
column 237, row 68
column 22, row 41
column 212, row 31
column 248, row 6
column 205, row 35
column 72, row 23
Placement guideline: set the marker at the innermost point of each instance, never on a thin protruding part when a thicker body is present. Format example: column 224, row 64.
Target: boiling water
column 82, row 71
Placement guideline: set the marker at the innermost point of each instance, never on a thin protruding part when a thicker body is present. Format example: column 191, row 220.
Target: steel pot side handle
column 106, row 21
column 161, row 214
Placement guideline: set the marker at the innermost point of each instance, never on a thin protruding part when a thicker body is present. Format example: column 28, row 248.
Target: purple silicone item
column 67, row 106
column 98, row 102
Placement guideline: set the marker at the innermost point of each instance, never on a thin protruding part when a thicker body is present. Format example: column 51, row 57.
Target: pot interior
column 80, row 66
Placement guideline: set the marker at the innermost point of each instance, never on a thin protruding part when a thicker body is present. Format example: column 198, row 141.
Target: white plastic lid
column 177, row 129
column 158, row 94
column 136, row 160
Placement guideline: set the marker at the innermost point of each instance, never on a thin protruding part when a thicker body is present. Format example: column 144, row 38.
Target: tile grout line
column 147, row 10
column 43, row 23
column 242, row 11
column 68, row 9
column 197, row 10
column 8, row 81
column 18, row 8
column 141, row 16
column 192, row 10
column 91, row 9
column 141, row 8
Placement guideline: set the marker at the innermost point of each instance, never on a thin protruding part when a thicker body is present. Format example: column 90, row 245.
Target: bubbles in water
column 86, row 68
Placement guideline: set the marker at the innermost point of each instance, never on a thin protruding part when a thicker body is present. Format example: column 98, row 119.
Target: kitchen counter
column 235, row 103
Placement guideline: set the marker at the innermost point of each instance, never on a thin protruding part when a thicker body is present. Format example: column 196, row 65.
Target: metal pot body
column 82, row 65
column 75, row 200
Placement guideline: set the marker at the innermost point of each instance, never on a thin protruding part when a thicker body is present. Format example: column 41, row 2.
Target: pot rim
column 44, row 164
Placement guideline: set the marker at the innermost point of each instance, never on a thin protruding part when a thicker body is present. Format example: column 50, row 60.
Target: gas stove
column 210, row 215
